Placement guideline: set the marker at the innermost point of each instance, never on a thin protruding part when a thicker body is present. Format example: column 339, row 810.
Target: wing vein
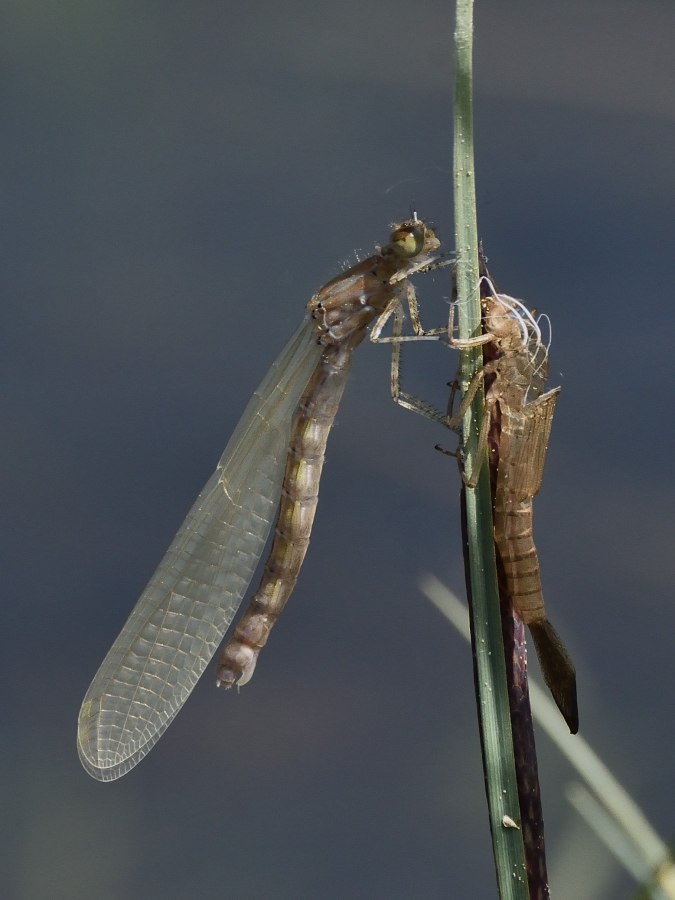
column 182, row 615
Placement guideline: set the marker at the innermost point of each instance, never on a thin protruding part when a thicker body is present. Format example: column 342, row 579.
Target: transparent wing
column 182, row 615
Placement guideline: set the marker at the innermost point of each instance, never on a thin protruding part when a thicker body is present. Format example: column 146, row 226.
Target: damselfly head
column 410, row 238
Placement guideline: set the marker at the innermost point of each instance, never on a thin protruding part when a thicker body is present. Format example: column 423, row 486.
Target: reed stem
column 487, row 643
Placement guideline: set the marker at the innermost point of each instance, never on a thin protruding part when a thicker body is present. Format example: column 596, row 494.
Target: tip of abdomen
column 558, row 671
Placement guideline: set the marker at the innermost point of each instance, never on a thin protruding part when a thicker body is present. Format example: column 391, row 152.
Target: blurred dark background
column 177, row 180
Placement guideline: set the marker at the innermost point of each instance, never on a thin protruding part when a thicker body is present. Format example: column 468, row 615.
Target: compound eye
column 407, row 240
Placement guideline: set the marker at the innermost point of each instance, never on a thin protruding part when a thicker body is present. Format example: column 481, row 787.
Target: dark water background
column 177, row 180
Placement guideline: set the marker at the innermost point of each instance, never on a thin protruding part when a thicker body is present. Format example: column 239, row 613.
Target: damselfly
column 272, row 463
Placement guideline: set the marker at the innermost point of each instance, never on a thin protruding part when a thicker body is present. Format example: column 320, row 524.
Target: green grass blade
column 493, row 704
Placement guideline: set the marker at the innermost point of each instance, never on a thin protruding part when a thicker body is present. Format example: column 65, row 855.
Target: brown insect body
column 343, row 310
column 517, row 431
column 524, row 429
